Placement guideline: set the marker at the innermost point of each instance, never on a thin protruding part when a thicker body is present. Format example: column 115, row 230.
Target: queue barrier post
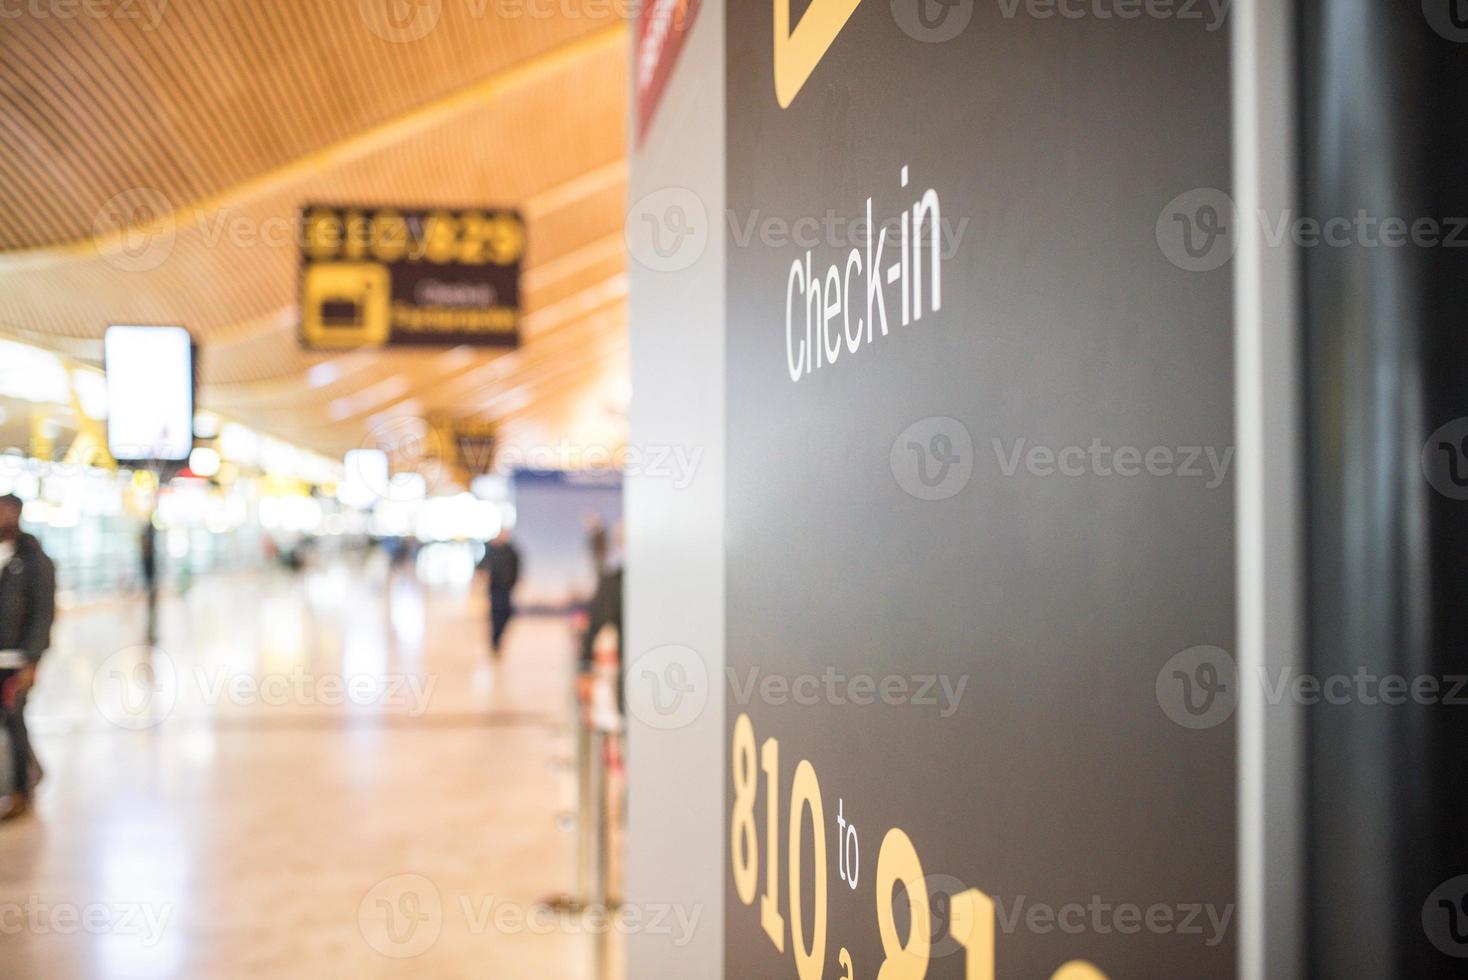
column 598, row 726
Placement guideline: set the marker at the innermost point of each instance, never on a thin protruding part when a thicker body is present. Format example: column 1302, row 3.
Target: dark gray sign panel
column 980, row 469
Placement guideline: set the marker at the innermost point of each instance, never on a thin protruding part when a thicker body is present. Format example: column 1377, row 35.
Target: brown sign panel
column 374, row 277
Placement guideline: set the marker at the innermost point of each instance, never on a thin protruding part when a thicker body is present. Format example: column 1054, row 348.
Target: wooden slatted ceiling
column 219, row 91
column 198, row 139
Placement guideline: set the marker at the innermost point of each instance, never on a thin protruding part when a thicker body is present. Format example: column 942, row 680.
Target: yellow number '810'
column 971, row 917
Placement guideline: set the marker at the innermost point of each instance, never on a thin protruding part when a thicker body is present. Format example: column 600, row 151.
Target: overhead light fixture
column 323, row 374
column 204, row 462
column 206, row 425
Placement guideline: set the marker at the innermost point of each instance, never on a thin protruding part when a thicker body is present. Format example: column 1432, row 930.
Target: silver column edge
column 1268, row 401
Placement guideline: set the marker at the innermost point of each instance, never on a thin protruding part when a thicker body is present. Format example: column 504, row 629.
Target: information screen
column 150, row 393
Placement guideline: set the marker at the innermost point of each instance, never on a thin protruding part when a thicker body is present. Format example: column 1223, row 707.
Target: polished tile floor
column 317, row 776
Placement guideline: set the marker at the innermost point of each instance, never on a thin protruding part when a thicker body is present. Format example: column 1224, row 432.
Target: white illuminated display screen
column 150, row 393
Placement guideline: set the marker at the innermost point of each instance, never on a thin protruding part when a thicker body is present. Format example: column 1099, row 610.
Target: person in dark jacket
column 27, row 610
column 502, row 561
column 605, row 610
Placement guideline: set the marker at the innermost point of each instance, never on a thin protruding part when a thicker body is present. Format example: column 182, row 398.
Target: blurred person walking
column 148, row 562
column 605, row 611
column 502, row 562
column 596, row 541
column 27, row 610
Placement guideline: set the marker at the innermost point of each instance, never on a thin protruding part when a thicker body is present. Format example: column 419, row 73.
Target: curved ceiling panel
column 194, row 99
column 152, row 171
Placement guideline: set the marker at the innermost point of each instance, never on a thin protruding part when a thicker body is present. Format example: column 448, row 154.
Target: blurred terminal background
column 326, row 525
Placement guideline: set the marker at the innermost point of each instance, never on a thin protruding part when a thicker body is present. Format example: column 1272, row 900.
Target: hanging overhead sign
column 375, row 277
column 474, row 442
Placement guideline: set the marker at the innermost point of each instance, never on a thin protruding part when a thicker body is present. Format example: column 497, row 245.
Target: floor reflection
column 327, row 738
